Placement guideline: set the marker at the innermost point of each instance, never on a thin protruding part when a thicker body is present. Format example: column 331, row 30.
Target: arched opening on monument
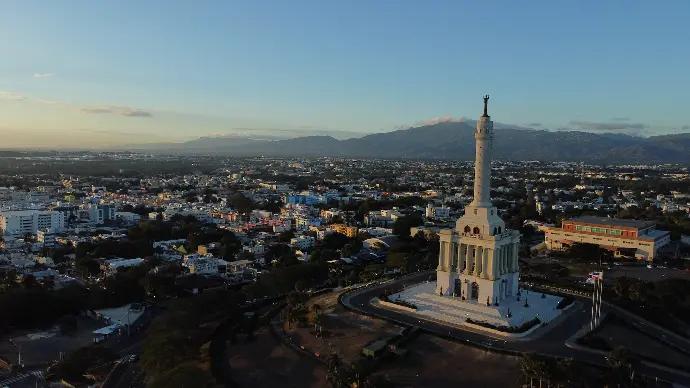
column 467, row 229
column 475, row 230
column 495, row 231
column 499, row 230
column 475, row 291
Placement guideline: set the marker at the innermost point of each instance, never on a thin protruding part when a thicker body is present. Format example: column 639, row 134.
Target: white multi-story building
column 128, row 216
column 205, row 265
column 17, row 223
column 98, row 214
column 437, row 212
column 302, row 242
column 111, row 266
column 46, row 237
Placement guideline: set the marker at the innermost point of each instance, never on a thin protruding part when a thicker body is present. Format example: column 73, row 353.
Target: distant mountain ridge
column 455, row 140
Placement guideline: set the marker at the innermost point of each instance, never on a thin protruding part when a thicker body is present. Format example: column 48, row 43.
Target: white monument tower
column 478, row 260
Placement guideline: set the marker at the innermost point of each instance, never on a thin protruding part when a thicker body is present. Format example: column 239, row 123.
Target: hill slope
column 455, row 140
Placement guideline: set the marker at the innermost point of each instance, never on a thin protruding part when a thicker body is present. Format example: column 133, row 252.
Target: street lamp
column 19, row 353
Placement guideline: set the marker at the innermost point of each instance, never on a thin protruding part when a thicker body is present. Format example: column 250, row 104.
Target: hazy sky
column 85, row 73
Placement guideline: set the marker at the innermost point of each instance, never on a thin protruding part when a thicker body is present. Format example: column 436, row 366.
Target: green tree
column 336, row 373
column 29, row 281
column 623, row 365
column 351, row 248
column 533, row 368
column 80, row 362
column 184, row 375
column 621, row 286
column 286, row 236
column 68, row 324
column 87, row 266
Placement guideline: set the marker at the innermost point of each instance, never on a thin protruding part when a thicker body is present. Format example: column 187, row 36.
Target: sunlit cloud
column 107, row 132
column 11, row 96
column 117, row 110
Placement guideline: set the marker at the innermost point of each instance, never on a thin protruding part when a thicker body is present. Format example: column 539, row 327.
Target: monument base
column 456, row 311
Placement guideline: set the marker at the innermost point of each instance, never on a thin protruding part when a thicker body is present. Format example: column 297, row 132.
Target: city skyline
column 93, row 75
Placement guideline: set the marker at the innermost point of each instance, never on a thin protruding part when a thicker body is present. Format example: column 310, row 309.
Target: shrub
column 565, row 302
column 593, row 341
column 507, row 329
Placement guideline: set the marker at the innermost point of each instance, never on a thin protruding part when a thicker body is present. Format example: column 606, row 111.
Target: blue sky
column 91, row 73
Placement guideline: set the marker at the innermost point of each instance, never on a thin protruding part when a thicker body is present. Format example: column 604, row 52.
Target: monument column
column 505, row 259
column 492, row 268
column 504, row 252
column 516, row 256
column 482, row 165
column 459, row 249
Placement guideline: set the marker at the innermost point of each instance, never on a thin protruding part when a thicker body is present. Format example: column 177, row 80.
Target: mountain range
column 453, row 140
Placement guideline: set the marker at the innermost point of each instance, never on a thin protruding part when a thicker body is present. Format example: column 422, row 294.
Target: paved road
column 18, row 380
column 551, row 343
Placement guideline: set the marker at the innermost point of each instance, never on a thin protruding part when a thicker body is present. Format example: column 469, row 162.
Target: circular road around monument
column 550, row 343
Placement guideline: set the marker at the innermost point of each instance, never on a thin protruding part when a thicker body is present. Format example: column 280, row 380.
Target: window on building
column 475, row 212
column 476, row 230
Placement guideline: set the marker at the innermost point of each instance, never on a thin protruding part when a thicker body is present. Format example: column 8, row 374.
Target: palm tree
column 315, row 314
column 622, row 361
column 532, row 368
column 335, row 371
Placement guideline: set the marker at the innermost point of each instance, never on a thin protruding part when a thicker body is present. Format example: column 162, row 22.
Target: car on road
column 133, row 358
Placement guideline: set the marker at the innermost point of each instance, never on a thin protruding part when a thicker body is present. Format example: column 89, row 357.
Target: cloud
column 43, row 75
column 620, row 119
column 604, row 126
column 11, row 96
column 118, row 110
column 95, row 110
column 437, row 120
column 534, row 125
column 106, row 132
column 136, row 113
column 272, row 133
column 685, row 127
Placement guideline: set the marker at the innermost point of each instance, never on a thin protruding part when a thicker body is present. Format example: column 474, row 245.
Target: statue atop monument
column 486, row 105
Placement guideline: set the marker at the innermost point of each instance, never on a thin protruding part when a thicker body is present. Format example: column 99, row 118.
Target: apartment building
column 18, row 223
column 99, row 214
column 46, row 237
column 349, row 231
column 302, row 242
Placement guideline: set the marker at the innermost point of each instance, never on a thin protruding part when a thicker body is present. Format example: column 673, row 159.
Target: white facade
column 205, row 265
column 98, row 214
column 46, row 237
column 478, row 260
column 128, row 216
column 17, row 223
column 437, row 212
column 111, row 266
column 302, row 242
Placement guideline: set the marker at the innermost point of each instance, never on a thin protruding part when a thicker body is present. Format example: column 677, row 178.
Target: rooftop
column 637, row 224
